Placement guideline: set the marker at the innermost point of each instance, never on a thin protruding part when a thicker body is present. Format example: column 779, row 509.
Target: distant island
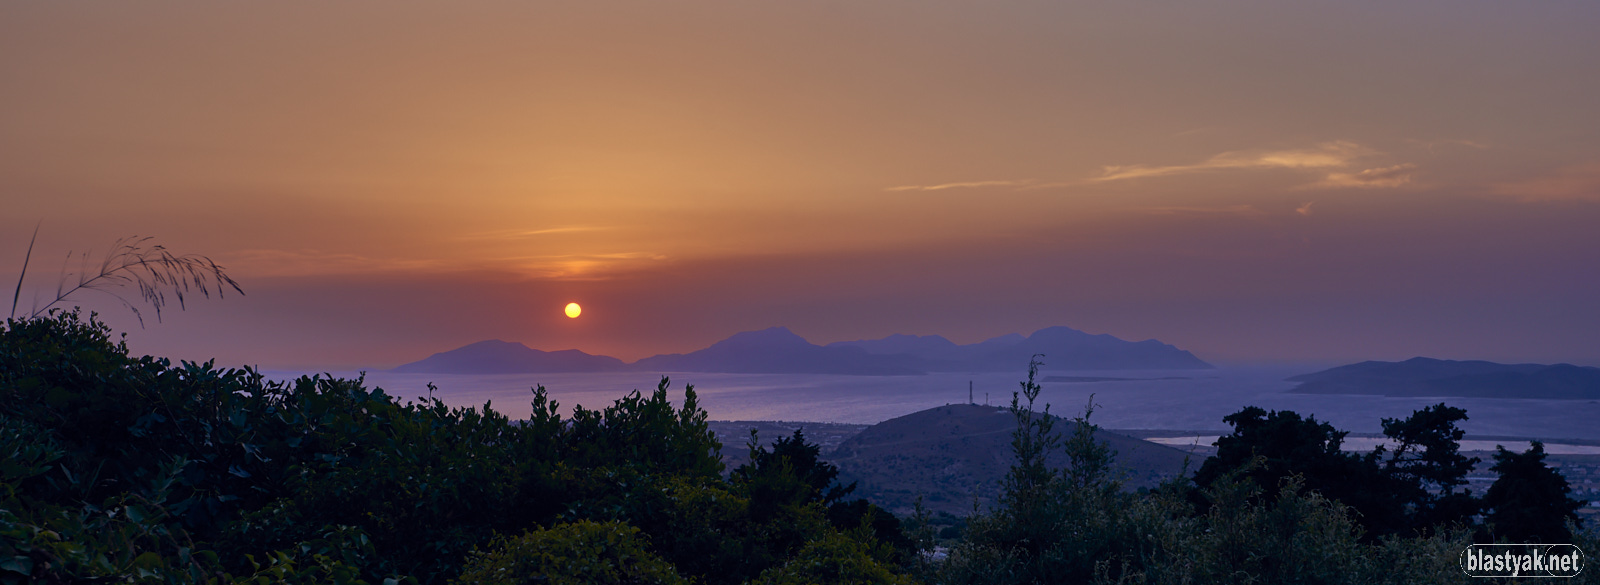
column 1422, row 376
column 505, row 357
column 776, row 350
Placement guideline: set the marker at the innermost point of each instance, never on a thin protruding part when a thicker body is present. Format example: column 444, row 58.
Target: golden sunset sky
column 1251, row 181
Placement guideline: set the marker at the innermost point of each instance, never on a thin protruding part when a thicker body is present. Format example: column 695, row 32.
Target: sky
column 1250, row 181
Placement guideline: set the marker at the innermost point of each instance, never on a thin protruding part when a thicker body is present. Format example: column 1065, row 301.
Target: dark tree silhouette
column 1529, row 502
column 1428, row 466
column 1289, row 445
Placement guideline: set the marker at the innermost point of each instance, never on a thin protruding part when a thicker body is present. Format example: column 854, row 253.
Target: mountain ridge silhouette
column 777, row 350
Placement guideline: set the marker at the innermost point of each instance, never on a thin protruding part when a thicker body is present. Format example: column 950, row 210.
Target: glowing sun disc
column 573, row 310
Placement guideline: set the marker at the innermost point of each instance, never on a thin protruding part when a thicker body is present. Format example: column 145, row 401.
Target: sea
column 1180, row 400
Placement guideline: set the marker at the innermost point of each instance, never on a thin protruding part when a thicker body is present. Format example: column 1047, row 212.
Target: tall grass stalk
column 25, row 258
column 135, row 261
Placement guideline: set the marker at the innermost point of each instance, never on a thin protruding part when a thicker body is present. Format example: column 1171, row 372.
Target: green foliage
column 788, row 476
column 1415, row 490
column 646, row 433
column 1529, row 502
column 1289, row 446
column 1052, row 525
column 790, row 486
column 1080, row 527
column 1027, row 484
column 121, row 469
column 1296, row 537
column 1088, row 459
column 834, row 559
column 578, row 553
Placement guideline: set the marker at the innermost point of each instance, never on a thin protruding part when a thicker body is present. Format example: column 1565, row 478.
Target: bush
column 123, row 469
column 578, row 553
column 834, row 559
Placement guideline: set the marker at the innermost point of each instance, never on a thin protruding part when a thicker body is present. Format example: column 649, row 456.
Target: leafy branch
column 135, row 261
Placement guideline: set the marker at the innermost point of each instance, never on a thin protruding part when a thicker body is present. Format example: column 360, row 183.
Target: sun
column 573, row 310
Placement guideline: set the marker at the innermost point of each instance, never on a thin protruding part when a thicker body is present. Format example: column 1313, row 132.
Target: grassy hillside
column 953, row 453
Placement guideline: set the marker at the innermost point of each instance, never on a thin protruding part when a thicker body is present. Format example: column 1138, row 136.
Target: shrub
column 834, row 559
column 578, row 553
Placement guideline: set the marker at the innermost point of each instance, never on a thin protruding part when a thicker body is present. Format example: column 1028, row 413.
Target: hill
column 504, row 357
column 1463, row 379
column 951, row 454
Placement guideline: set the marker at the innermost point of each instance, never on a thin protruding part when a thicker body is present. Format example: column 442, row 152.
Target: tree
column 1289, row 445
column 1026, row 485
column 789, row 475
column 792, row 474
column 1427, row 466
column 647, row 433
column 1051, row 525
column 803, row 460
column 1529, row 502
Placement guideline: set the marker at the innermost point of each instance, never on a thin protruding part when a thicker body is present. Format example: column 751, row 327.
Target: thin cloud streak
column 1326, row 155
column 962, row 185
column 1430, row 145
column 513, row 234
column 1573, row 182
column 1378, row 178
column 277, row 263
column 581, row 267
column 1247, row 210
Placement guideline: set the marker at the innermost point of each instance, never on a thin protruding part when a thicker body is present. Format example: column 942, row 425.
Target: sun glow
column 573, row 310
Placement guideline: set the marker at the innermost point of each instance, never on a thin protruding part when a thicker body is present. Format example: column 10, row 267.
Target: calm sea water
column 1197, row 403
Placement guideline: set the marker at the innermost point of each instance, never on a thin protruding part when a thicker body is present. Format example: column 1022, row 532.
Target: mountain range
column 776, row 350
column 1422, row 376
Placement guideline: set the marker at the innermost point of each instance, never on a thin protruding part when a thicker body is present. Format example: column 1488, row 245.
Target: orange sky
column 1247, row 180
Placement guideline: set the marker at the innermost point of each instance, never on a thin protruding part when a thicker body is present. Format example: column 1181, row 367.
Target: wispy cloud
column 1324, row 156
column 1383, row 177
column 1224, row 210
column 1430, row 145
column 580, row 266
column 1331, row 159
column 514, row 233
column 308, row 262
column 294, row 263
column 1574, row 182
column 963, row 185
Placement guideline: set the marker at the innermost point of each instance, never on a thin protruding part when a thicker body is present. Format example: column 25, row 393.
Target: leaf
column 148, row 560
column 22, row 565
